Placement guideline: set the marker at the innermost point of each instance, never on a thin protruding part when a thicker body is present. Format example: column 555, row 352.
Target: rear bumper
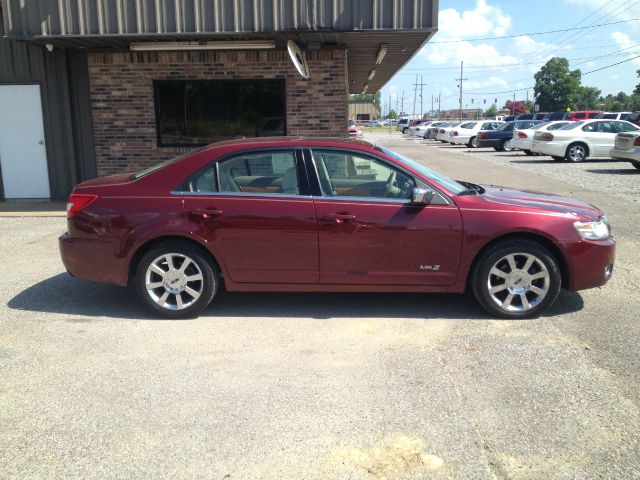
column 555, row 149
column 94, row 260
column 627, row 153
column 490, row 142
column 591, row 263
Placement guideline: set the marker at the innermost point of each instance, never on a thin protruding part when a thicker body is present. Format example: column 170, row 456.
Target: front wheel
column 506, row 146
column 405, row 130
column 636, row 164
column 576, row 152
column 528, row 153
column 176, row 280
column 516, row 279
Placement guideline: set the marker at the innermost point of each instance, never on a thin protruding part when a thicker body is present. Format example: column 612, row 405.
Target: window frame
column 185, row 188
column 316, row 189
column 156, row 105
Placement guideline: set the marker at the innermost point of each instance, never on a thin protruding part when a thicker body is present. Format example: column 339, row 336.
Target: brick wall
column 123, row 109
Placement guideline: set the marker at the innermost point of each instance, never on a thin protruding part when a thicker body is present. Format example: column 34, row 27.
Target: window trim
column 156, row 105
column 316, row 190
column 184, row 187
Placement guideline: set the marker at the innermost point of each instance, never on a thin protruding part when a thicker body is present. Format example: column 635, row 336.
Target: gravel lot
column 320, row 386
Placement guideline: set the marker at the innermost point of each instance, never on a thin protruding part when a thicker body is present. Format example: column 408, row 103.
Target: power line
column 612, row 65
column 534, row 33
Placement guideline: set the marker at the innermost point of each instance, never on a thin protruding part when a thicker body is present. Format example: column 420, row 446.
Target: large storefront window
column 198, row 112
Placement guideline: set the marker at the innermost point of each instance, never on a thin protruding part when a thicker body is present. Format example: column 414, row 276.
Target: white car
column 443, row 132
column 523, row 139
column 466, row 133
column 419, row 130
column 579, row 140
column 627, row 147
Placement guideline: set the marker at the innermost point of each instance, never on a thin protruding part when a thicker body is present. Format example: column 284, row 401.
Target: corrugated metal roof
column 359, row 25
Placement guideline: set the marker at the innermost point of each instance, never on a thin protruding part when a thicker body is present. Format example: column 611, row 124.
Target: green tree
column 637, row 89
column 556, row 85
column 366, row 97
column 492, row 111
column 392, row 114
column 587, row 98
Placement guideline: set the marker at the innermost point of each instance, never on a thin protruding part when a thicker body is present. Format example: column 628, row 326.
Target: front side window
column 261, row 173
column 199, row 112
column 345, row 174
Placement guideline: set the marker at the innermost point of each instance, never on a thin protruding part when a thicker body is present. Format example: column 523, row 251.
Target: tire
column 557, row 159
column 528, row 153
column 405, row 130
column 636, row 164
column 527, row 292
column 194, row 294
column 497, row 149
column 576, row 152
column 506, row 146
column 473, row 143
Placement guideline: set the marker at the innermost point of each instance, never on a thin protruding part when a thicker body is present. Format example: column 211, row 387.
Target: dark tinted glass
column 201, row 112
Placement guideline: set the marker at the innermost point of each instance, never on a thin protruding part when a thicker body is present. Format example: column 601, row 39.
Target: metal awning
column 363, row 27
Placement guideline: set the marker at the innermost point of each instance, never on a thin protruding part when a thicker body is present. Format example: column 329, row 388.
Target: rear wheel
column 576, row 152
column 473, row 143
column 516, row 279
column 175, row 280
column 405, row 130
column 528, row 153
column 557, row 159
column 636, row 164
column 498, row 149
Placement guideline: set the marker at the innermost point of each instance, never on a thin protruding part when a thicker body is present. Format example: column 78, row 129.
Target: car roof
column 289, row 142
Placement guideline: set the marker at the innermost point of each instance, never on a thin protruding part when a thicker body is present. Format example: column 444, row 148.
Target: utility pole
column 402, row 103
column 431, row 112
column 439, row 103
column 460, row 85
column 421, row 104
column 513, row 105
column 415, row 94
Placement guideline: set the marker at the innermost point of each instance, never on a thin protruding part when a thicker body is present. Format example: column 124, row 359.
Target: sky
column 495, row 68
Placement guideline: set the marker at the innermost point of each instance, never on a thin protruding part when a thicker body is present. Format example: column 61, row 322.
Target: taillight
column 484, row 136
column 545, row 137
column 522, row 135
column 455, row 133
column 636, row 142
column 78, row 202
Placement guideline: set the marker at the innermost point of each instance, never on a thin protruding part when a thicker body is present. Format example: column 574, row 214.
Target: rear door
column 254, row 209
column 370, row 234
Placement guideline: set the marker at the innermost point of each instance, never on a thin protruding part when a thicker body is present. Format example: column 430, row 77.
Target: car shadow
column 610, row 171
column 63, row 294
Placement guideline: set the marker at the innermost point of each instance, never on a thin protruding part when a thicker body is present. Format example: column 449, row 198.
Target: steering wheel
column 390, row 181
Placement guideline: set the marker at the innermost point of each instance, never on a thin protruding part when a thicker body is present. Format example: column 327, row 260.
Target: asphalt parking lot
column 324, row 386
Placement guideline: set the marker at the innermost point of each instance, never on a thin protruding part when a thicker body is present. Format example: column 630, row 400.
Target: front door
column 23, row 157
column 256, row 213
column 370, row 234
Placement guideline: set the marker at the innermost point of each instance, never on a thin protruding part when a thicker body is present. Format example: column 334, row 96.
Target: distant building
column 363, row 110
column 468, row 113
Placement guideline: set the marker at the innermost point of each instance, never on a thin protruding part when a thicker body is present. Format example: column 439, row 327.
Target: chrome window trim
column 239, row 194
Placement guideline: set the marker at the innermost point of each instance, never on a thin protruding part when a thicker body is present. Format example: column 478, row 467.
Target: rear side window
column 625, row 127
column 261, row 173
column 580, row 115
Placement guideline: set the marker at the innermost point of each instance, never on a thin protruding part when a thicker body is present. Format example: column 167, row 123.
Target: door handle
column 339, row 217
column 206, row 213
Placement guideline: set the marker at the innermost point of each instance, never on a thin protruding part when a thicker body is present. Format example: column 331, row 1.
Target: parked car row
column 568, row 140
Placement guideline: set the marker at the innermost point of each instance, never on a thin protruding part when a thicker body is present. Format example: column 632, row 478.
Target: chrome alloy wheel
column 577, row 152
column 174, row 281
column 518, row 282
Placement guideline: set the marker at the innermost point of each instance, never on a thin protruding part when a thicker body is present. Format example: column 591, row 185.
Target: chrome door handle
column 206, row 213
column 339, row 217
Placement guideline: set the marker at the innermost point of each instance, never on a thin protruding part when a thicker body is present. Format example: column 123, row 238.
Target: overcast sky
column 494, row 67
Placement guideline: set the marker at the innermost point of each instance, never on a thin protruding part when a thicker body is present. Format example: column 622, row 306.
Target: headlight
column 594, row 230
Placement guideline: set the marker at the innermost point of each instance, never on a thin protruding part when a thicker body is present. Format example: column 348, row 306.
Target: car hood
column 511, row 197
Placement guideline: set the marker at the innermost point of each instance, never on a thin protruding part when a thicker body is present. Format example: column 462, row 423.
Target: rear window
column 155, row 168
column 572, row 125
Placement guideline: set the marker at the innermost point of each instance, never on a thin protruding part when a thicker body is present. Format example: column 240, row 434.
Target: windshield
column 160, row 165
column 451, row 185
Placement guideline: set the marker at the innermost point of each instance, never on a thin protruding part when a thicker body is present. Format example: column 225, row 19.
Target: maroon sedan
column 318, row 215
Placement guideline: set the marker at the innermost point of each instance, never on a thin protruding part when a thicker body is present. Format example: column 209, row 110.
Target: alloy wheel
column 174, row 281
column 577, row 153
column 518, row 282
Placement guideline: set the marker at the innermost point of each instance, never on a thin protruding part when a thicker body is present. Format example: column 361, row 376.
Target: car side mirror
column 421, row 196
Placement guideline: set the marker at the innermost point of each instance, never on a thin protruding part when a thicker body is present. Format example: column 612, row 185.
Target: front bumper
column 590, row 262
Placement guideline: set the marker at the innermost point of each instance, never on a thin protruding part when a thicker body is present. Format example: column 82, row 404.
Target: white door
column 23, row 157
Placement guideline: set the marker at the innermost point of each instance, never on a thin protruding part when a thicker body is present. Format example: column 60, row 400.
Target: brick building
column 119, row 86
